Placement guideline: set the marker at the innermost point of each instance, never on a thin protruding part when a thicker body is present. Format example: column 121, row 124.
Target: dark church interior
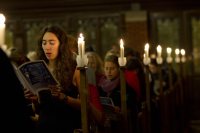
column 170, row 23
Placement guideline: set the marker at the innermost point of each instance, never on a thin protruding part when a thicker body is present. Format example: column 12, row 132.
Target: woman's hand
column 29, row 95
column 57, row 93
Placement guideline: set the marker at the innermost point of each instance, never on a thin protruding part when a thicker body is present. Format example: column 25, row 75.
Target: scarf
column 109, row 85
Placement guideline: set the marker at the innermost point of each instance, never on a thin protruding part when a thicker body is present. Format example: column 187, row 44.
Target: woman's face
column 111, row 70
column 50, row 45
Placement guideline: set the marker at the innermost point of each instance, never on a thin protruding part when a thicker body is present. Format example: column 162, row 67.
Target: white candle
column 81, row 45
column 146, row 50
column 159, row 50
column 182, row 52
column 169, row 58
column 169, row 51
column 183, row 59
column 121, row 48
column 2, row 29
column 177, row 51
column 159, row 57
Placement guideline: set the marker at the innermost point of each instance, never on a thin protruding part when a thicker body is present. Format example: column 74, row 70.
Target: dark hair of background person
column 134, row 62
column 14, row 112
column 129, row 52
column 18, row 57
column 89, row 48
column 73, row 44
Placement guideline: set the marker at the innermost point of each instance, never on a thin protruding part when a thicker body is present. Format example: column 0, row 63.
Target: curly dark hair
column 65, row 64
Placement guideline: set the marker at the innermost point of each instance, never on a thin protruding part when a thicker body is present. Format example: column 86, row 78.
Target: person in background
column 61, row 111
column 113, row 50
column 96, row 63
column 135, row 64
column 73, row 45
column 94, row 73
column 31, row 55
column 156, row 77
column 110, row 87
column 15, row 115
column 17, row 57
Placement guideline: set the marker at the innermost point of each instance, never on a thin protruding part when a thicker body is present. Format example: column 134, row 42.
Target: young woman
column 110, row 87
column 61, row 113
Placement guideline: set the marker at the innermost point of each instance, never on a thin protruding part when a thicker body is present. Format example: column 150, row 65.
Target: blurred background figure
column 17, row 57
column 15, row 116
column 113, row 50
column 32, row 55
column 135, row 64
column 158, row 73
column 96, row 64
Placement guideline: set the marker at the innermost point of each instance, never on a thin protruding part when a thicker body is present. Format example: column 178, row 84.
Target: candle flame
column 182, row 52
column 169, row 50
column 121, row 43
column 146, row 47
column 177, row 51
column 159, row 48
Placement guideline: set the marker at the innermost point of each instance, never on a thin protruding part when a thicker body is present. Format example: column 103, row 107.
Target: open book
column 35, row 75
column 109, row 108
column 106, row 101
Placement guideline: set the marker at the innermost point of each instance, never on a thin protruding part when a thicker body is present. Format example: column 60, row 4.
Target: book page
column 36, row 75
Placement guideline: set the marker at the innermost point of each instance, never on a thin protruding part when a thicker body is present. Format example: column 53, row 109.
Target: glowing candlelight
column 146, row 59
column 121, row 48
column 121, row 58
column 81, row 45
column 169, row 58
column 81, row 58
column 183, row 59
column 159, row 50
column 146, row 50
column 2, row 29
column 177, row 51
column 169, row 51
column 182, row 52
column 159, row 57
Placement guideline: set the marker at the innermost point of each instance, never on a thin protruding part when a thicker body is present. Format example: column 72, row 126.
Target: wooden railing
column 168, row 111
